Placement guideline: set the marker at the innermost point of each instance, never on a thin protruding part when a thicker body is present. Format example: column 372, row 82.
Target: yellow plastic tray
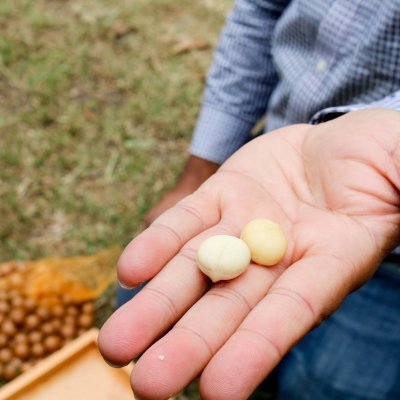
column 77, row 371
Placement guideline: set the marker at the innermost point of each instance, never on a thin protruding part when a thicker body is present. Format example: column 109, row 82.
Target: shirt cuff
column 391, row 102
column 218, row 135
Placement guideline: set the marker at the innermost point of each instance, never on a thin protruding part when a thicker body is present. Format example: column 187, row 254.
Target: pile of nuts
column 31, row 329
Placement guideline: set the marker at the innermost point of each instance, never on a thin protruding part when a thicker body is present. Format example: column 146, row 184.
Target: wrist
column 198, row 169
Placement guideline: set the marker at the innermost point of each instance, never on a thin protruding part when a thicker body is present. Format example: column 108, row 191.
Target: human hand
column 334, row 190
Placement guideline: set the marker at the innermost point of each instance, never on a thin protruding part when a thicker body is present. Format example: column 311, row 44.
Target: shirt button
column 321, row 65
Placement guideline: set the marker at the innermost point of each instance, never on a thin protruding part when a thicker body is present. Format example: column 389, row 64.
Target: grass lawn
column 98, row 100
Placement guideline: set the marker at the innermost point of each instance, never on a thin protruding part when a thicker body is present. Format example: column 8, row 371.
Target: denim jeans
column 124, row 295
column 355, row 354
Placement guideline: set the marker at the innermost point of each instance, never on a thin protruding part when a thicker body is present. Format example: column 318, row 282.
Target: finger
column 175, row 360
column 151, row 250
column 135, row 325
column 299, row 300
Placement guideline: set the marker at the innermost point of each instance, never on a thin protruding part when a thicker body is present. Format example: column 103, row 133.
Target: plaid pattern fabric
column 297, row 61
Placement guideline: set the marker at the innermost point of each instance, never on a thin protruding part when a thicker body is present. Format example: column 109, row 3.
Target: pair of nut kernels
column 224, row 257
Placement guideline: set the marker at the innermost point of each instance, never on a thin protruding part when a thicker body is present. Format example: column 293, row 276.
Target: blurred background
column 98, row 100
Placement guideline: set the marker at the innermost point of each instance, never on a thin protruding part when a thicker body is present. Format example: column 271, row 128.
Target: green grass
column 96, row 113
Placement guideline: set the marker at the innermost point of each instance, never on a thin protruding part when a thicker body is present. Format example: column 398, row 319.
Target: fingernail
column 126, row 287
column 113, row 365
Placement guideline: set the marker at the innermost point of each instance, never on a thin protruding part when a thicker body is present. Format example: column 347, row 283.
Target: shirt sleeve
column 240, row 81
column 391, row 102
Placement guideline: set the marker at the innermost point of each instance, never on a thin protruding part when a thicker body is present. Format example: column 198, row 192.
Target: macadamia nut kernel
column 223, row 257
column 266, row 241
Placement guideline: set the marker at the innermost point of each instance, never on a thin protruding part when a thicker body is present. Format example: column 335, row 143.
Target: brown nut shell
column 52, row 343
column 22, row 351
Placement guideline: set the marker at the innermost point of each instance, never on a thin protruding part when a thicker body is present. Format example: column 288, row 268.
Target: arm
column 239, row 84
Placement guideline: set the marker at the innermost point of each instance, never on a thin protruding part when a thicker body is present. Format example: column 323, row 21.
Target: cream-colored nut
column 266, row 241
column 223, row 257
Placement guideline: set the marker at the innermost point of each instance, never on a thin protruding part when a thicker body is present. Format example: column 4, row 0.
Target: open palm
column 334, row 190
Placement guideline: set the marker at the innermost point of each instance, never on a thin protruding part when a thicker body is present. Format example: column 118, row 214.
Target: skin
column 196, row 171
column 333, row 188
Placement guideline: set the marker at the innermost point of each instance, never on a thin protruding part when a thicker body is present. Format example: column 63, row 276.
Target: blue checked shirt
column 297, row 61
